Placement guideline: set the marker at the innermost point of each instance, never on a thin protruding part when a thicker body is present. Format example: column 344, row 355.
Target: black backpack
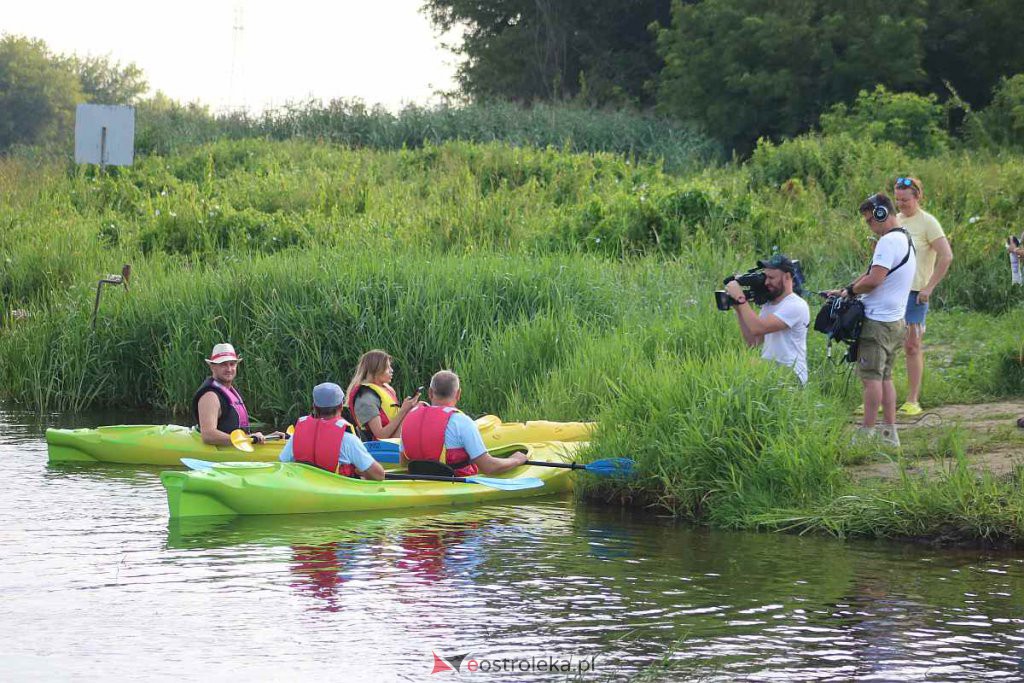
column 841, row 319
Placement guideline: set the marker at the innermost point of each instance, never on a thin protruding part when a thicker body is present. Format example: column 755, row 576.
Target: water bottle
column 1012, row 243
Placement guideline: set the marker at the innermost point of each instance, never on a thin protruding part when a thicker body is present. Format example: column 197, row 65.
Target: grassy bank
column 559, row 285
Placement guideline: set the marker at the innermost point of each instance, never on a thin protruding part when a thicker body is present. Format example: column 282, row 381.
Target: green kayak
column 166, row 444
column 277, row 488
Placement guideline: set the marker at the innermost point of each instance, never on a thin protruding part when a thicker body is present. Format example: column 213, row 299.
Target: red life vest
column 423, row 439
column 317, row 441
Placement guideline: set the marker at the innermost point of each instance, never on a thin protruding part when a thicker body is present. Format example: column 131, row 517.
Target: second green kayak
column 165, row 445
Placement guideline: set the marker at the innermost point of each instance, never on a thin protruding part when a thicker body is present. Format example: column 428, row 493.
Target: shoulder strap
column 910, row 249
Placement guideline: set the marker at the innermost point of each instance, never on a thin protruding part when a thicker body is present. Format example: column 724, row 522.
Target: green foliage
column 166, row 127
column 833, row 163
column 105, row 81
column 746, row 69
column 956, row 505
column 1001, row 124
column 906, row 119
column 713, row 448
column 37, row 94
column 972, row 45
column 599, row 52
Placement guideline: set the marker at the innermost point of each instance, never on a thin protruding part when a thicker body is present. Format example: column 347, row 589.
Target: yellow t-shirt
column 924, row 229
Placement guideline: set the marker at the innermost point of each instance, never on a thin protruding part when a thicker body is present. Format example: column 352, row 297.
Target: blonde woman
column 372, row 402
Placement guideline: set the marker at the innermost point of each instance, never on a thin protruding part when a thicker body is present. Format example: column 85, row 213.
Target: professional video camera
column 754, row 288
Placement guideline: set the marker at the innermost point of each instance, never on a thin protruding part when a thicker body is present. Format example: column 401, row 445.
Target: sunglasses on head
column 904, row 182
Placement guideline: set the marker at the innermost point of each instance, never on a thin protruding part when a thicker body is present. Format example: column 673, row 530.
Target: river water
column 96, row 583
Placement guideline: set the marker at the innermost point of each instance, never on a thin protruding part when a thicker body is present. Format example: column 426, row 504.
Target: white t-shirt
column 888, row 301
column 789, row 346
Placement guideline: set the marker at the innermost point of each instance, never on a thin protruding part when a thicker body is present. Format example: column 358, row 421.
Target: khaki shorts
column 876, row 352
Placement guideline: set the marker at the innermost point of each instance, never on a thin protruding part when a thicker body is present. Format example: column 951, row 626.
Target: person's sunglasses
column 904, row 182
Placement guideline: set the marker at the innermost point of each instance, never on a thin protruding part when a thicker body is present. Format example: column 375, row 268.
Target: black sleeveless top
column 229, row 419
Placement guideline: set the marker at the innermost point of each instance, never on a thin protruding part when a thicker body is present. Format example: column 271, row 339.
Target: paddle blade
column 612, row 467
column 383, row 451
column 241, row 441
column 198, row 465
column 517, row 484
column 290, row 431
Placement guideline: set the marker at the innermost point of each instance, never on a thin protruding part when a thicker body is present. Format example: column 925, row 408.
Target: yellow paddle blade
column 241, row 441
column 290, row 431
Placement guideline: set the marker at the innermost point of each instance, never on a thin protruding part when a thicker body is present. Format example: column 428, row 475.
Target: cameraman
column 781, row 327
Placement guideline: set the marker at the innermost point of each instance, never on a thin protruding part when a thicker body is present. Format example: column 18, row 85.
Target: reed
column 631, row 135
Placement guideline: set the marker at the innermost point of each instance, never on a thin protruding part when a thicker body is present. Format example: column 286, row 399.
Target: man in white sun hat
column 217, row 406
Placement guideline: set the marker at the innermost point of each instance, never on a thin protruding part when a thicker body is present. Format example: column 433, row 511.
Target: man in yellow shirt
column 934, row 256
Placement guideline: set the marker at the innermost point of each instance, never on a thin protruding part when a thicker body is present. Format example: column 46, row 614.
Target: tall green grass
column 632, row 135
column 299, row 318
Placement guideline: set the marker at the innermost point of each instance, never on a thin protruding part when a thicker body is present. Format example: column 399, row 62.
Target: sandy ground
column 999, row 458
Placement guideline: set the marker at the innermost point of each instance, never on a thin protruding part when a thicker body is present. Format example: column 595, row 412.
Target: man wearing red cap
column 217, row 406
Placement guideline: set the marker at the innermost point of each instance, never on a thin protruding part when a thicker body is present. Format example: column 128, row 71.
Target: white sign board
column 105, row 134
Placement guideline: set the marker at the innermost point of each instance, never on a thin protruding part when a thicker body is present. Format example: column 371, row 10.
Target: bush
column 908, row 120
column 842, row 165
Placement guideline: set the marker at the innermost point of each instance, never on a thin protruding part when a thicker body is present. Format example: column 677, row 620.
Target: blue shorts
column 916, row 313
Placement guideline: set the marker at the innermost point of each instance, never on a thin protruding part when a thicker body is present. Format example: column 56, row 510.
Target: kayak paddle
column 622, row 467
column 387, row 451
column 517, row 484
column 206, row 465
column 243, row 442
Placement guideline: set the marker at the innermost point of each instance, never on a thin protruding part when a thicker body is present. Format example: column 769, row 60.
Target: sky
column 382, row 51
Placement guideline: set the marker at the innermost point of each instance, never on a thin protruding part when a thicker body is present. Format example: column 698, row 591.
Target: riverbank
column 559, row 286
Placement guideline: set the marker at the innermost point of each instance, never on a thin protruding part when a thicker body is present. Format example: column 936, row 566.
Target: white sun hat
column 222, row 353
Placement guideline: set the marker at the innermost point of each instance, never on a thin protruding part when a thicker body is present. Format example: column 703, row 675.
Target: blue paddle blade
column 517, row 484
column 612, row 467
column 199, row 465
column 383, row 451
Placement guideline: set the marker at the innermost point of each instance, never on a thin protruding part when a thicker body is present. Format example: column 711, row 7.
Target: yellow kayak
column 278, row 488
column 165, row 445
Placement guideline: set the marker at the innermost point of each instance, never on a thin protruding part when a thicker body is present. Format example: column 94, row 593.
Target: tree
column 108, row 82
column 527, row 50
column 971, row 44
column 38, row 94
column 746, row 69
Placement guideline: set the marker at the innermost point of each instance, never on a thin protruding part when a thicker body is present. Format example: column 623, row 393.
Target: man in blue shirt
column 440, row 432
column 322, row 439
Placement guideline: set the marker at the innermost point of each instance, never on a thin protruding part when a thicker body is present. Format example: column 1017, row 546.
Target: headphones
column 879, row 212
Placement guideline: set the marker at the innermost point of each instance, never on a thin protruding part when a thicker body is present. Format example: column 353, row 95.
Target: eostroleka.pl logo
column 460, row 664
column 443, row 664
